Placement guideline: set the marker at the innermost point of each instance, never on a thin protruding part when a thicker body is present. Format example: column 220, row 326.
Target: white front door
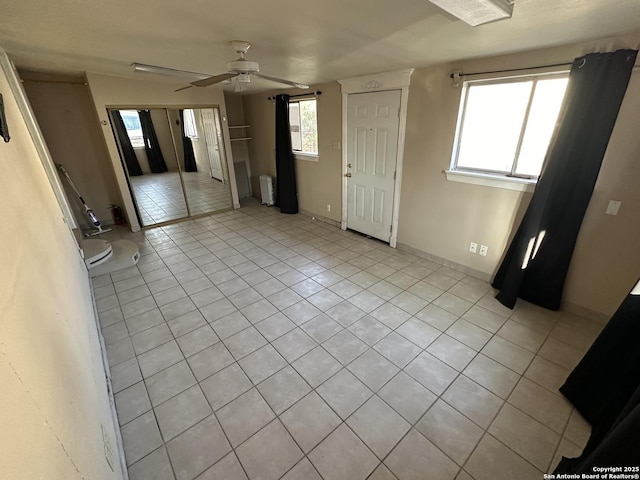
column 372, row 146
column 211, row 138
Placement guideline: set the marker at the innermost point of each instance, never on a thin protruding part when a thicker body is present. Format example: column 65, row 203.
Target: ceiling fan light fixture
column 477, row 12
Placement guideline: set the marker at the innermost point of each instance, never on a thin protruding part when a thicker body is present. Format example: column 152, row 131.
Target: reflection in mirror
column 174, row 161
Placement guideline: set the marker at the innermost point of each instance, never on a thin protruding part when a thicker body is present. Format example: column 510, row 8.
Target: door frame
column 396, row 80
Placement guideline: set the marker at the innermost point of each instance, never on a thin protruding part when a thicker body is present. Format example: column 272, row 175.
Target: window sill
column 488, row 180
column 308, row 157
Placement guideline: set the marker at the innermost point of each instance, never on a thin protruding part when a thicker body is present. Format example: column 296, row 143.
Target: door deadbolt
column 348, row 174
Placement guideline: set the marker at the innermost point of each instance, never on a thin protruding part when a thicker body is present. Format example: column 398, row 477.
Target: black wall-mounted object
column 4, row 127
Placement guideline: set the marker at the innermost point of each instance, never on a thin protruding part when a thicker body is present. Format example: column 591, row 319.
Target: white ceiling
column 305, row 41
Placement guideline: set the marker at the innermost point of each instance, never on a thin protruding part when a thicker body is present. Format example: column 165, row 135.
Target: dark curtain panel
column 126, row 150
column 187, row 147
column 286, row 188
column 536, row 263
column 151, row 145
column 605, row 388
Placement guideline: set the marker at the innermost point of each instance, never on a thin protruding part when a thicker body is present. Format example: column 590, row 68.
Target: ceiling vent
column 477, row 12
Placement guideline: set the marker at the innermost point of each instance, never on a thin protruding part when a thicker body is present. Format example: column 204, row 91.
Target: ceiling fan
column 242, row 70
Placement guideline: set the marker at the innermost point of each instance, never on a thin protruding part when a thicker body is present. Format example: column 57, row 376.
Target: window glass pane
column 294, row 123
column 134, row 129
column 492, row 124
column 190, row 129
column 543, row 116
column 308, row 127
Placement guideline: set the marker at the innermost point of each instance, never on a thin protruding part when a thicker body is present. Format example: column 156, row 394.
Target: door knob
column 349, row 166
column 348, row 174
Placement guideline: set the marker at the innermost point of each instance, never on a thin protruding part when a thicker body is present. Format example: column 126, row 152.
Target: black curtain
column 536, row 263
column 151, row 145
column 605, row 388
column 286, row 188
column 187, row 147
column 126, row 149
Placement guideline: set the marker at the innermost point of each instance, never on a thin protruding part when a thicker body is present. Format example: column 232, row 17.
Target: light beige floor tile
column 452, row 352
column 132, row 402
column 391, row 315
column 197, row 340
column 321, row 328
column 407, row 397
column 508, row 354
column 344, row 393
column 345, row 313
column 140, row 437
column 526, row 436
column 144, row 321
column 245, row 342
column 416, row 455
column 578, row 429
column 383, row 289
column 275, row 326
column 195, row 450
column 474, row 401
column 120, row 351
column 522, row 335
column 258, row 311
column 431, row 372
column 244, row 416
column 436, row 317
column 177, row 308
column 491, row 460
column 125, row 374
column 373, row 369
column 548, row 374
column 159, row 358
column 228, row 468
column 550, row 409
column 230, row 324
column 225, row 386
column 382, row 473
column 471, row 293
column 450, row 431
column 169, row 382
column 378, row 426
column 283, row 389
column 156, row 465
column 425, row 291
column 262, row 363
column 269, row 453
column 365, row 300
column 302, row 471
column 217, row 309
column 209, row 361
column 186, row 323
column 342, row 455
column 409, row 302
column 452, row 304
column 301, row 312
column 492, row 375
column 316, row 366
column 418, row 332
column 151, row 338
column 469, row 334
column 114, row 333
column 397, row 349
column 565, row 449
column 561, row 353
column 441, row 280
column 345, row 347
column 369, row 330
column 182, row 412
column 294, row 344
column 484, row 318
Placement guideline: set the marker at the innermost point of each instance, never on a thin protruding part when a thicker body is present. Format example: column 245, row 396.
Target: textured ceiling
column 304, row 41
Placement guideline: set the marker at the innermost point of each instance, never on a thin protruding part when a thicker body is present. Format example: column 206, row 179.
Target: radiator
column 266, row 189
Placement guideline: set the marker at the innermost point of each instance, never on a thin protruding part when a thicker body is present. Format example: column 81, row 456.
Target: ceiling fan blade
column 213, row 80
column 280, row 80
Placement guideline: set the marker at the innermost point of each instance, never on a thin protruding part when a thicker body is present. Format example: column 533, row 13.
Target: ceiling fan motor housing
column 243, row 66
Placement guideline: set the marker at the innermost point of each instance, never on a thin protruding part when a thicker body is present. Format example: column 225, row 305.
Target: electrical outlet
column 614, row 207
column 473, row 247
column 483, row 250
column 328, row 208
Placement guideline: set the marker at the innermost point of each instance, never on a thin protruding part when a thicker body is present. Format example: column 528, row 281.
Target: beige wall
column 319, row 183
column 163, row 132
column 53, row 400
column 64, row 110
column 442, row 217
column 109, row 91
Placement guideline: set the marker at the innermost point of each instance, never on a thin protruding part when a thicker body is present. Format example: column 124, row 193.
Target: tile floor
column 257, row 345
column 160, row 196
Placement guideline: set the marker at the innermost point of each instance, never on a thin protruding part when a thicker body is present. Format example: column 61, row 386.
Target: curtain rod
column 461, row 74
column 316, row 93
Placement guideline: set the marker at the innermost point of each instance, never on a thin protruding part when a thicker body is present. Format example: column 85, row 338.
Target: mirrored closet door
column 174, row 160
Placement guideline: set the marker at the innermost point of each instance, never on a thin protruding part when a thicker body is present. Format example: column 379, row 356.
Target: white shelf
column 239, row 126
column 240, row 138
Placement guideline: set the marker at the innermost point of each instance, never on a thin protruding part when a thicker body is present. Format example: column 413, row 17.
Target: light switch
column 614, row 207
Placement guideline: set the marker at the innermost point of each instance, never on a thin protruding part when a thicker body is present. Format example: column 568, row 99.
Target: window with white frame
column 131, row 121
column 505, row 125
column 303, row 121
column 189, row 126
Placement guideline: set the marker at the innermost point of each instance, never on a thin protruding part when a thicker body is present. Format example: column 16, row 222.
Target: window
column 190, row 129
column 505, row 126
column 134, row 129
column 304, row 126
